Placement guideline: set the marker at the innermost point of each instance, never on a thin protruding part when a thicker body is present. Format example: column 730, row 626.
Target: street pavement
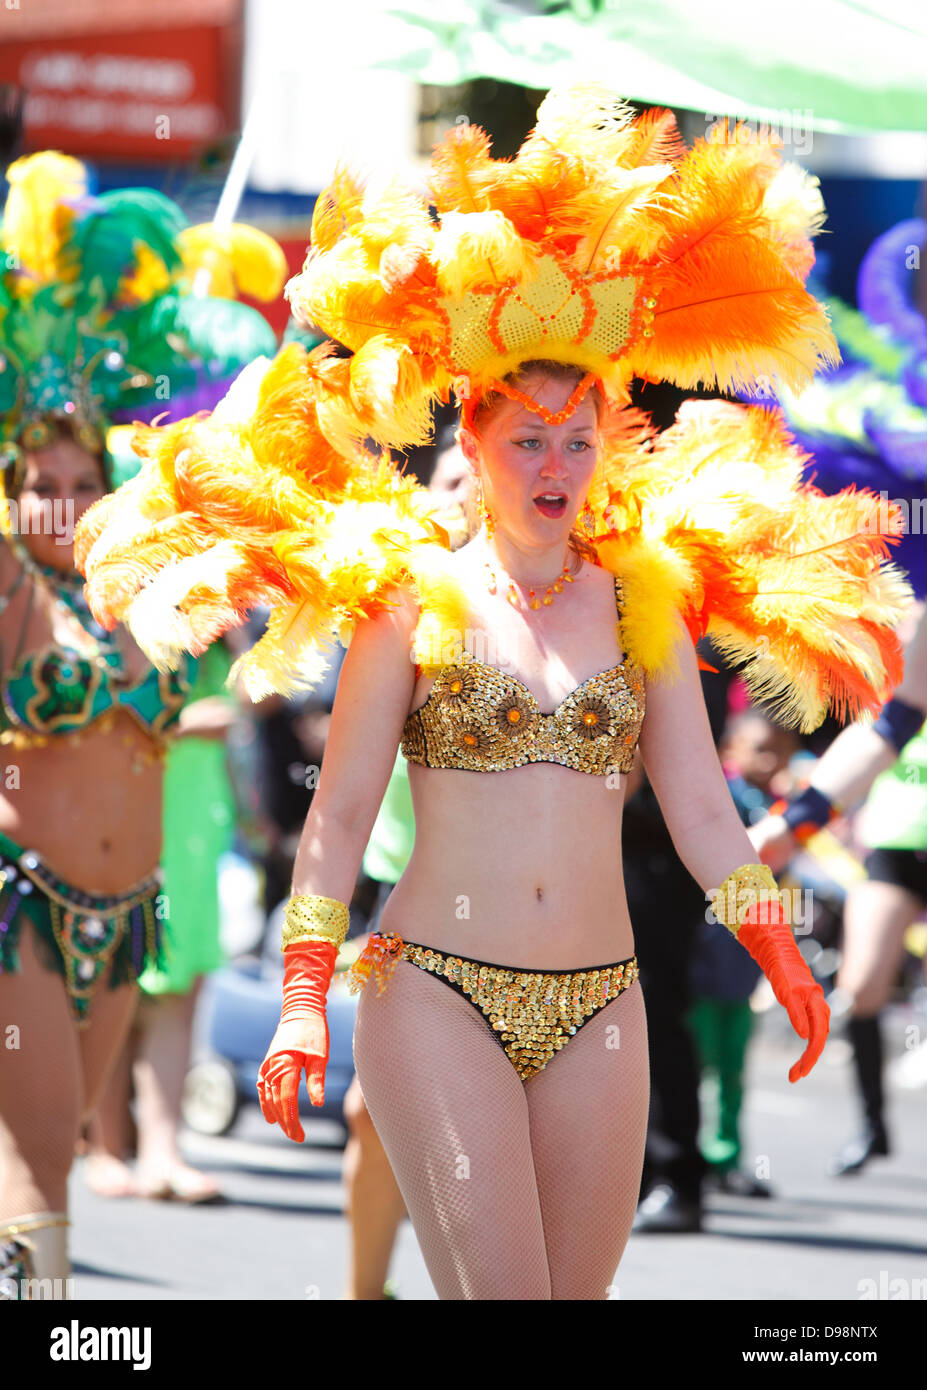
column 282, row 1234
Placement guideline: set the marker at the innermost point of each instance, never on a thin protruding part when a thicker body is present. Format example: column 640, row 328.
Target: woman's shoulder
column 401, row 601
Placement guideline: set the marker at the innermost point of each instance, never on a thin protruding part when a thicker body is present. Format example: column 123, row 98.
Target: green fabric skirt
column 198, row 823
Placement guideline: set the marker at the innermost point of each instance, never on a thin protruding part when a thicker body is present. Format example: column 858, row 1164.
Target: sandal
column 181, row 1184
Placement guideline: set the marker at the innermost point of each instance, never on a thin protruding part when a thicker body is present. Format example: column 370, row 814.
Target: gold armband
column 744, row 888
column 308, row 918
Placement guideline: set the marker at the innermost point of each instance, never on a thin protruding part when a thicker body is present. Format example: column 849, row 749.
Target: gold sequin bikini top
column 479, row 719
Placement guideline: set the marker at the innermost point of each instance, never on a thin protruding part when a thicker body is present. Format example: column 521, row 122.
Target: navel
column 539, row 893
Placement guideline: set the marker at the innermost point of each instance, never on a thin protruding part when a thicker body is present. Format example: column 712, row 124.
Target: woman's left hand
column 768, row 938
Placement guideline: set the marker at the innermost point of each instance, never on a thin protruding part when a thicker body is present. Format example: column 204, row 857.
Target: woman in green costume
column 94, row 315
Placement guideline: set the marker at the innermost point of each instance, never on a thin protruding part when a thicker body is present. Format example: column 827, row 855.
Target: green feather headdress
column 97, row 321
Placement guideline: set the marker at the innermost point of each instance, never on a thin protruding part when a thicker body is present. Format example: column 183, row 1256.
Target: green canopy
column 829, row 65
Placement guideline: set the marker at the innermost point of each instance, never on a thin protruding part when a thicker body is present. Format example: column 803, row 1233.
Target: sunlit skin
column 474, row 834
column 516, row 456
column 96, row 823
column 78, row 803
column 59, row 483
column 94, row 819
column 520, row 867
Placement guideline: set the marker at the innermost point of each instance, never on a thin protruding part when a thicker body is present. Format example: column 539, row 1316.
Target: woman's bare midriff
column 80, row 805
column 521, row 868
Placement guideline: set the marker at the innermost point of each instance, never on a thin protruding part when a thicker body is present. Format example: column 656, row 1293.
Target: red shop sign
column 151, row 94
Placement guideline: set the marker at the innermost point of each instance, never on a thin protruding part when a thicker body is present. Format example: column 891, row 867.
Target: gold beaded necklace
column 533, row 601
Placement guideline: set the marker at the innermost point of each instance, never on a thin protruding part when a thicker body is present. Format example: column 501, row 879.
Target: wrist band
column 310, row 918
column 745, row 888
column 805, row 813
column 898, row 722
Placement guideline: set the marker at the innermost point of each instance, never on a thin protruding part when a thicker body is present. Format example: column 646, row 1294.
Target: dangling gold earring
column 485, row 516
column 588, row 520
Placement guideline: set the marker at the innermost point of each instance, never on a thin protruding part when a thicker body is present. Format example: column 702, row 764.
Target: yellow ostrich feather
column 480, row 248
column 655, row 140
column 242, row 260
column 391, row 213
column 887, row 597
column 346, row 294
column 715, row 524
column 337, row 208
column 608, row 219
column 444, row 617
column 36, row 221
column 291, row 656
column 241, row 400
column 363, row 546
column 149, row 278
column 656, row 580
column 587, row 121
column 155, row 616
column 776, row 674
column 115, row 521
column 793, row 203
column 390, row 394
column 122, row 518
column 128, row 568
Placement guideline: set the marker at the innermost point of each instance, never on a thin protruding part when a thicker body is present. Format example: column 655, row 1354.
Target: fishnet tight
column 516, row 1191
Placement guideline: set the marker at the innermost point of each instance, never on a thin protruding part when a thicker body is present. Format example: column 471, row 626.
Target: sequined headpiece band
column 471, row 404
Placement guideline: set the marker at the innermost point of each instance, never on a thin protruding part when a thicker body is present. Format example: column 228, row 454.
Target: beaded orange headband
column 471, row 404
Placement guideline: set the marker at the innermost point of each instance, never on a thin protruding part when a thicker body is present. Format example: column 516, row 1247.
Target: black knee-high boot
column 866, row 1036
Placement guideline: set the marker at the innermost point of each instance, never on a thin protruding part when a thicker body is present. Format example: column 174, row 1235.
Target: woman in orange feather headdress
column 511, row 1094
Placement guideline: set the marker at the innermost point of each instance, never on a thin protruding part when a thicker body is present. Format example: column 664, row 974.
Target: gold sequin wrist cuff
column 310, row 918
column 744, row 888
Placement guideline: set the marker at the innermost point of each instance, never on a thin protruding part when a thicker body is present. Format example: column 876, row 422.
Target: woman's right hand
column 299, row 1044
column 301, row 1040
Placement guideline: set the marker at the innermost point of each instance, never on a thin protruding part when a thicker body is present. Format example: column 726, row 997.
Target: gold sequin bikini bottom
column 532, row 1013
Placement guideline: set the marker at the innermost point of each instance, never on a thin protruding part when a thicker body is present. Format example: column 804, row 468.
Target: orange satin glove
column 301, row 1040
column 772, row 946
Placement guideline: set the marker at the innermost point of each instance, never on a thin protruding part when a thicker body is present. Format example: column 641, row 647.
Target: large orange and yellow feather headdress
column 605, row 243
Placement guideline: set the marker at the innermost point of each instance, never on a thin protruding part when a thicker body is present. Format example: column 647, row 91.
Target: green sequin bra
column 58, row 690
